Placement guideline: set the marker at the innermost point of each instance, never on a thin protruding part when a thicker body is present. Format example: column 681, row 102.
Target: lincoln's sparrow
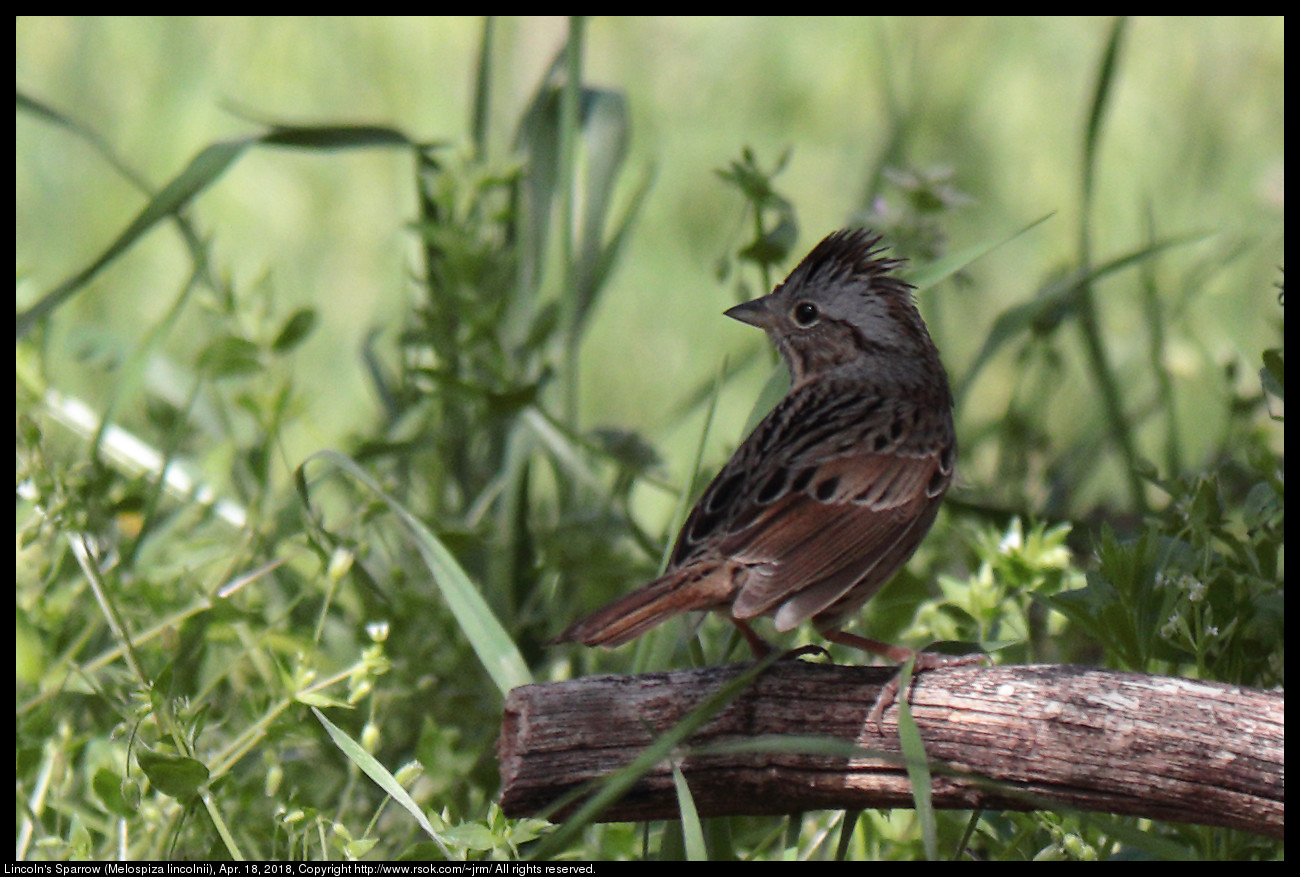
column 836, row 487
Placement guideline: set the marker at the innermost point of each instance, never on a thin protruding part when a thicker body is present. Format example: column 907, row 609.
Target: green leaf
column 229, row 356
column 316, row 699
column 176, row 775
column 329, row 137
column 295, row 330
column 108, row 787
column 1273, row 375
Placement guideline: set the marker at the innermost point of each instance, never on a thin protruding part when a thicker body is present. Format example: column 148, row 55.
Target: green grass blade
column 1097, row 112
column 1055, row 303
column 380, row 775
column 692, row 831
column 847, row 828
column 202, row 171
column 932, row 273
column 495, row 649
column 918, row 767
column 481, row 115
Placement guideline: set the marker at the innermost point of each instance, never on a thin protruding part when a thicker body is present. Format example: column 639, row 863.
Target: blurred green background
column 1193, row 135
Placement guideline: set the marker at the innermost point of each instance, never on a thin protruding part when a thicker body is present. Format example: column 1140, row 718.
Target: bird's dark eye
column 805, row 314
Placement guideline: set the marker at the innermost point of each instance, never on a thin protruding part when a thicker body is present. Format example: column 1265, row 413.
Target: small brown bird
column 834, row 490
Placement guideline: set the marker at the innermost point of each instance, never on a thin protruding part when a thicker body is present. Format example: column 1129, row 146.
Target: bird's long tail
column 632, row 615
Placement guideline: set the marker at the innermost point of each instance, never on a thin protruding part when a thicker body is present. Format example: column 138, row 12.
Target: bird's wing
column 835, row 505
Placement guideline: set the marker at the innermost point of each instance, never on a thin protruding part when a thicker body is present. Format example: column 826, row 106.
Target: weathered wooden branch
column 1008, row 738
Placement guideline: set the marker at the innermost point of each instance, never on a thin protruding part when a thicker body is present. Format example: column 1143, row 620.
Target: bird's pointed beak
column 755, row 313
